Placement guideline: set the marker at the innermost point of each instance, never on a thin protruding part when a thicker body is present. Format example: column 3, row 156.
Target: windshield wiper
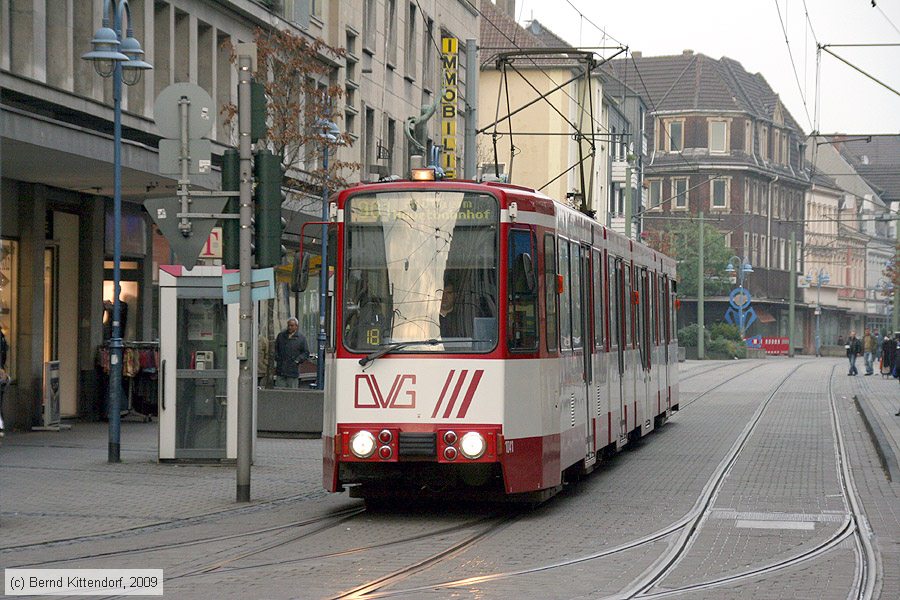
column 395, row 346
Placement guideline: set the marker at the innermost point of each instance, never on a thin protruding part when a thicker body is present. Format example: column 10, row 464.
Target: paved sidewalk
column 59, row 485
column 879, row 401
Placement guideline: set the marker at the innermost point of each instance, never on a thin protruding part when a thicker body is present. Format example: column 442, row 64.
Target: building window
column 390, row 32
column 746, row 195
column 410, row 58
column 746, row 249
column 719, row 195
column 763, row 252
column 674, row 136
column 754, row 250
column 718, row 136
column 428, row 62
column 369, row 26
column 680, row 193
column 764, row 142
column 655, row 192
column 776, row 145
column 748, row 136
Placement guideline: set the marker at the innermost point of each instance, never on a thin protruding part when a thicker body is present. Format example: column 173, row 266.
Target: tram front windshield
column 421, row 266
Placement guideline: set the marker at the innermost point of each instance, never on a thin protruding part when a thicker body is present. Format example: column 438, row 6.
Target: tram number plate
column 508, row 446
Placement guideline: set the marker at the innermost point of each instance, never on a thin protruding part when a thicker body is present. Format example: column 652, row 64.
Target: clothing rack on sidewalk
column 140, row 368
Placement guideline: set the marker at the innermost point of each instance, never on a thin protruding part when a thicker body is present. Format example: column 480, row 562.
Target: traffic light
column 258, row 112
column 231, row 228
column 268, row 198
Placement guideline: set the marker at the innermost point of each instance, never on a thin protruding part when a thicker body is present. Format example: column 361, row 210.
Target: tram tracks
column 688, row 527
column 854, row 524
column 333, row 519
column 483, row 525
column 688, row 522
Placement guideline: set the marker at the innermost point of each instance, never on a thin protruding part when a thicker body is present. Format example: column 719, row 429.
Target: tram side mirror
column 300, row 273
column 523, row 278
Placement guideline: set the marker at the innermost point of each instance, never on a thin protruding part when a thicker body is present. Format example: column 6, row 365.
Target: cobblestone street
column 740, row 495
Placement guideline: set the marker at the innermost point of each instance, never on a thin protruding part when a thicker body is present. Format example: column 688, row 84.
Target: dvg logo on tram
column 368, row 393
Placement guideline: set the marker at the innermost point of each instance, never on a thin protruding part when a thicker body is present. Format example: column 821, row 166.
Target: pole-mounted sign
column 450, row 65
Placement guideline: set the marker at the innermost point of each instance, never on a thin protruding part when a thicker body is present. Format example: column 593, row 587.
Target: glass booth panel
column 201, row 385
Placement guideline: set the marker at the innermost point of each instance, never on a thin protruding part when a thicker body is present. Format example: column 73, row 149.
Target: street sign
column 262, row 285
column 170, row 157
column 201, row 111
column 164, row 212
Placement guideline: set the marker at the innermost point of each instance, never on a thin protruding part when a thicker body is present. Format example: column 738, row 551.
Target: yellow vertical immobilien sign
column 450, row 65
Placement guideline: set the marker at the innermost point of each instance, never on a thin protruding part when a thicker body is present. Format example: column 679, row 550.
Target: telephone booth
column 198, row 391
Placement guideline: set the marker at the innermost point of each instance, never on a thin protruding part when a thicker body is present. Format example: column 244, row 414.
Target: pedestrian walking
column 290, row 352
column 854, row 349
column 869, row 346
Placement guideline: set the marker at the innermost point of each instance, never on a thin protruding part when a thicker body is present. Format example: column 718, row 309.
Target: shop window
column 9, row 257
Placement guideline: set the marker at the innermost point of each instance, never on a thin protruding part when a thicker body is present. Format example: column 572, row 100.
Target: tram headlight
column 362, row 444
column 472, row 445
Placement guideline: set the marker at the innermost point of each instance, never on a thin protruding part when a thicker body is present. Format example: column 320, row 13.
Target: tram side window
column 521, row 327
column 550, row 292
column 663, row 310
column 672, row 302
column 577, row 312
column 565, row 315
column 598, row 302
column 615, row 334
column 652, row 298
column 628, row 308
column 638, row 308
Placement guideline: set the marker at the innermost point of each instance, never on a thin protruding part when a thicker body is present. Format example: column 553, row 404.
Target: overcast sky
column 751, row 32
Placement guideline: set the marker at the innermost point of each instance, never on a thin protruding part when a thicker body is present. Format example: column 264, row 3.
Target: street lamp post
column 821, row 277
column 120, row 58
column 740, row 268
column 328, row 133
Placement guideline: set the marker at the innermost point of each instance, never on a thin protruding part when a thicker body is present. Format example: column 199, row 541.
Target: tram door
column 587, row 318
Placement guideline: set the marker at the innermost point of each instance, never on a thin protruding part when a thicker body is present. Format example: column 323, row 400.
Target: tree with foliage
column 683, row 244
column 298, row 74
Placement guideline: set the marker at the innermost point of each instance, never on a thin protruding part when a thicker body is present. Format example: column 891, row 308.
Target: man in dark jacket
column 290, row 352
column 854, row 348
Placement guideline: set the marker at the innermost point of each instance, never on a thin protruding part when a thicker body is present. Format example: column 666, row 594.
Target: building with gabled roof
column 722, row 143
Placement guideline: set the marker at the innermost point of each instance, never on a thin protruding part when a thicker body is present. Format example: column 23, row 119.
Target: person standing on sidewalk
column 4, row 377
column 869, row 346
column 854, row 348
column 290, row 352
column 888, row 347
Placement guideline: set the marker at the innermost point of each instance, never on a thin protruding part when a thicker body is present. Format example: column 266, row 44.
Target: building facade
column 56, row 187
column 722, row 143
column 547, row 143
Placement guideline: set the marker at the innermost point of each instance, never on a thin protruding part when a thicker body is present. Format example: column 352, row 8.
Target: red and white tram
column 487, row 338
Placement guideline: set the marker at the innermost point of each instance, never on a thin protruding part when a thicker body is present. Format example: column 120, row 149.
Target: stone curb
column 882, row 445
